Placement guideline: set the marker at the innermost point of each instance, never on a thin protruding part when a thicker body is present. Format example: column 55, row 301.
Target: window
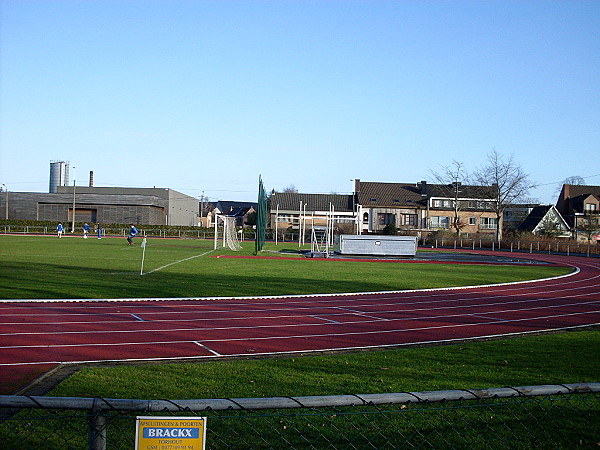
column 488, row 223
column 366, row 218
column 409, row 219
column 440, row 222
column 472, row 220
column 590, row 207
column 439, row 203
column 385, row 218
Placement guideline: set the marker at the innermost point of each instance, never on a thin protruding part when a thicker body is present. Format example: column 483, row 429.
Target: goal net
column 226, row 233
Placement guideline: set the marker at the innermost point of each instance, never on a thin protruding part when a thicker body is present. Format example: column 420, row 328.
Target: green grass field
column 48, row 267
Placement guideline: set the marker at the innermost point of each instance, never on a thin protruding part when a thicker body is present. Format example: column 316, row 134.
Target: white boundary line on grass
column 263, row 297
column 177, row 262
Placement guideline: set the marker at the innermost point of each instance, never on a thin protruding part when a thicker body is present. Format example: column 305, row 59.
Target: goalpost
column 226, row 234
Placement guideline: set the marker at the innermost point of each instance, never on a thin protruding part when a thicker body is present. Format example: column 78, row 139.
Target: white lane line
column 295, row 325
column 361, row 313
column 207, row 348
column 324, row 319
column 320, row 350
column 316, row 335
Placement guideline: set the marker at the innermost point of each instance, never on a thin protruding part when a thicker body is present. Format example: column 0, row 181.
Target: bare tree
column 291, row 189
column 573, row 179
column 590, row 227
column 508, row 180
column 450, row 179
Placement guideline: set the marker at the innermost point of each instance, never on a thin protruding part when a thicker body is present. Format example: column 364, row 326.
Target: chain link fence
column 551, row 416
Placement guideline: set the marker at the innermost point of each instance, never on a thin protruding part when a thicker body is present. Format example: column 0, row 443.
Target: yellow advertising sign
column 170, row 433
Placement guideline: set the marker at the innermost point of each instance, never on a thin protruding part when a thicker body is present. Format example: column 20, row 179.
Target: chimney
column 356, row 185
column 91, row 178
column 423, row 186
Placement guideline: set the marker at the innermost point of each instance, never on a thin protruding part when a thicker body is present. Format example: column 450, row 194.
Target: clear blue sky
column 203, row 96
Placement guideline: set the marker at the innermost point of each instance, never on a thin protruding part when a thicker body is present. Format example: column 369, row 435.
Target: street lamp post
column 73, row 223
column 6, row 202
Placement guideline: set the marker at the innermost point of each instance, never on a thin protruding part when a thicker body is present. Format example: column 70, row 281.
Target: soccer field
column 36, row 267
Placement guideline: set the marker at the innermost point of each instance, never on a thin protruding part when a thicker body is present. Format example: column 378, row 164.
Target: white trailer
column 348, row 244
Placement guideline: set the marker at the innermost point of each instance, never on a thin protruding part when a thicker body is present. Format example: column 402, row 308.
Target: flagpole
column 143, row 255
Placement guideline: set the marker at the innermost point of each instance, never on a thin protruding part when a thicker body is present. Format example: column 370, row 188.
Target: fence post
column 96, row 431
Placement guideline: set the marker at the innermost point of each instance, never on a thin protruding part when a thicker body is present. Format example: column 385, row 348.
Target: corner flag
column 143, row 255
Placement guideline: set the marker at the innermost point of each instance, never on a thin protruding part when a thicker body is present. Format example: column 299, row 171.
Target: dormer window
column 373, row 199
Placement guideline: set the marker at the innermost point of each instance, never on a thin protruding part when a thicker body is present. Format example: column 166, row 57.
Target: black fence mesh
column 558, row 420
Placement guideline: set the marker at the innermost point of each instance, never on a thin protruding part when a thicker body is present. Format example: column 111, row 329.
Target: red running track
column 36, row 336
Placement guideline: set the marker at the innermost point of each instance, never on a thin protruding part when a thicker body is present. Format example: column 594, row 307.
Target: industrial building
column 144, row 206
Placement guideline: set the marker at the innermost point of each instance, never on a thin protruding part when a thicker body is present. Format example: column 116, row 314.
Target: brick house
column 580, row 206
column 422, row 208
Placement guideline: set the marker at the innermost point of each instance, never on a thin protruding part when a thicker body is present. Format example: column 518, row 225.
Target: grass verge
column 528, row 360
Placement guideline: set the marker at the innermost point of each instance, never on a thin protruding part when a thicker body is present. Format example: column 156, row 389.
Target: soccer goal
column 226, row 233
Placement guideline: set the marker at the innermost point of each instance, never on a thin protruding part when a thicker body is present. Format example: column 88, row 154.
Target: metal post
column 96, row 431
column 277, row 224
column 6, row 203
column 300, row 226
column 73, row 224
column 215, row 236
